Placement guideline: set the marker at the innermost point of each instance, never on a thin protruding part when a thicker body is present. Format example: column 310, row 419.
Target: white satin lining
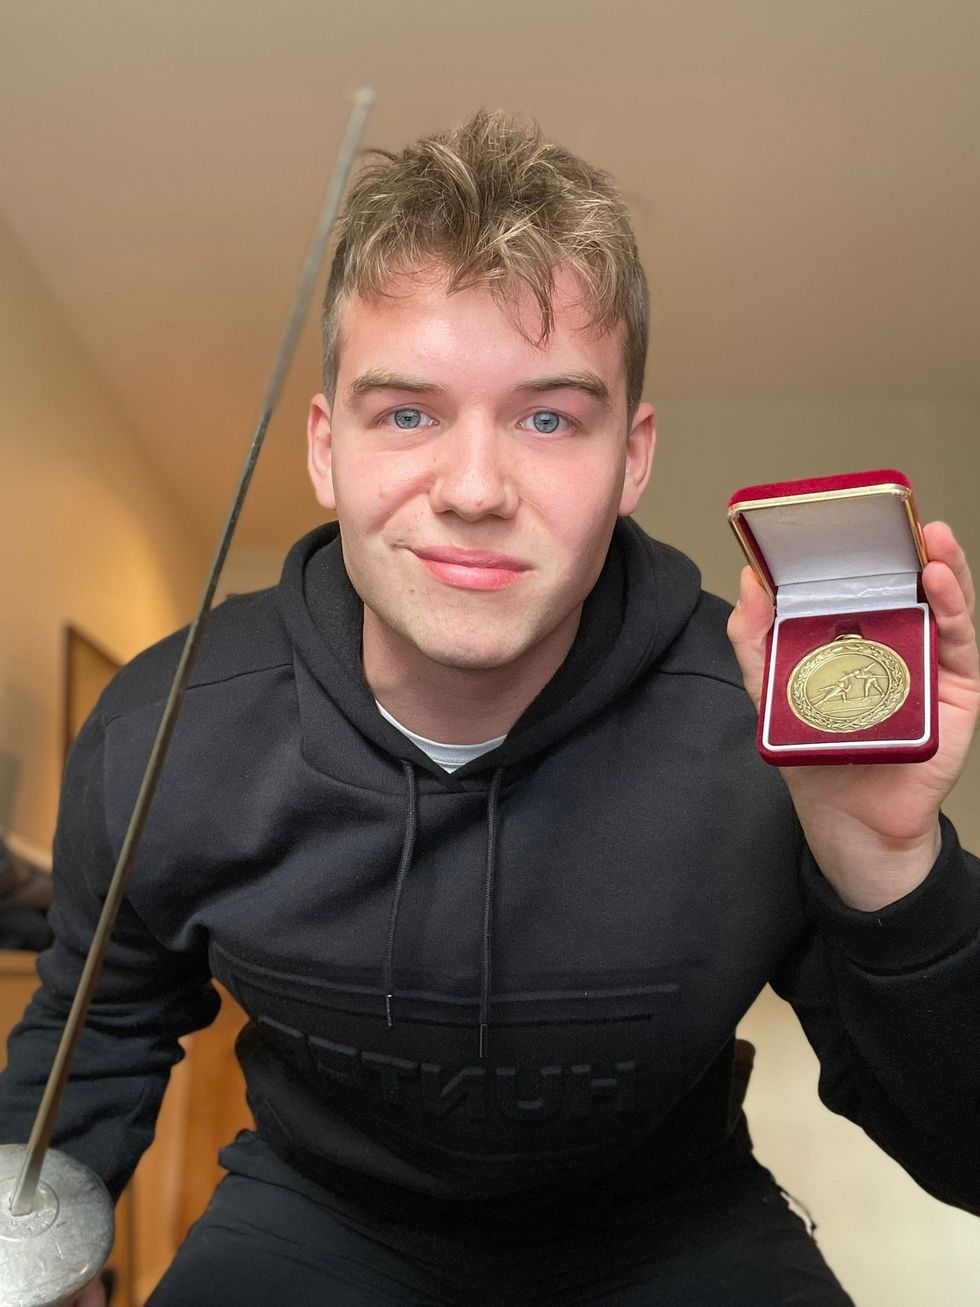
column 848, row 593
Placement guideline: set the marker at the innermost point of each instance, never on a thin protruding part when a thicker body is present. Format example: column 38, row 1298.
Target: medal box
column 850, row 669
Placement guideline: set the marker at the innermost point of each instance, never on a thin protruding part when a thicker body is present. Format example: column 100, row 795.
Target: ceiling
column 804, row 178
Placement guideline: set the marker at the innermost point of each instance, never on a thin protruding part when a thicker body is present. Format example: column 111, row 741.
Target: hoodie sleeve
column 890, row 1001
column 147, row 997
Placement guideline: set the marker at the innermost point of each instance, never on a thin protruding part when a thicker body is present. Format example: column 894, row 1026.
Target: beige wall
column 90, row 536
column 890, row 1243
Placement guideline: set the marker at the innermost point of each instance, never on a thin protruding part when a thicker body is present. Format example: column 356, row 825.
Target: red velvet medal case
column 841, row 557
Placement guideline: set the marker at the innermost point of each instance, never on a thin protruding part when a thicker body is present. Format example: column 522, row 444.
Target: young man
column 467, row 815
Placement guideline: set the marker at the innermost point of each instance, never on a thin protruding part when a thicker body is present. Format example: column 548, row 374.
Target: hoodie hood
column 644, row 597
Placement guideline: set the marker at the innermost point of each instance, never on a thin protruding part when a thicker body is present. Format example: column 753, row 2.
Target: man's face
column 477, row 477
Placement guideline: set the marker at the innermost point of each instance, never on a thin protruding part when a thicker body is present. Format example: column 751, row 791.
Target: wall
column 91, row 536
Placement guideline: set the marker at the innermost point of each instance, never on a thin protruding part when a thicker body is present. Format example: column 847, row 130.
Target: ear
column 319, row 458
column 640, row 445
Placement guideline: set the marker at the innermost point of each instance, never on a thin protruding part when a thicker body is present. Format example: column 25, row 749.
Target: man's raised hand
column 873, row 829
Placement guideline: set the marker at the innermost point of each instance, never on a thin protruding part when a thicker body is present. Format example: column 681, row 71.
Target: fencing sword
column 56, row 1222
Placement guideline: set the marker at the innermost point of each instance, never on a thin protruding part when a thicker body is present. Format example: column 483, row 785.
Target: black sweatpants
column 725, row 1239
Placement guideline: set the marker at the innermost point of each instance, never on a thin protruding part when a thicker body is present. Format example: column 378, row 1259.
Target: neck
column 458, row 705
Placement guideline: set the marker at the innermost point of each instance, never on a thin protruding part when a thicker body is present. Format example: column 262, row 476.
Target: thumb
column 748, row 627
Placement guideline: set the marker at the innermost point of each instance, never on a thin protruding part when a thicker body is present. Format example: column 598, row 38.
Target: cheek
column 581, row 502
column 371, row 489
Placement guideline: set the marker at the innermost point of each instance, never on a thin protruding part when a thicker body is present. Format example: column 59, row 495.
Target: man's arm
column 890, row 1002
column 888, row 988
column 146, row 999
column 874, row 830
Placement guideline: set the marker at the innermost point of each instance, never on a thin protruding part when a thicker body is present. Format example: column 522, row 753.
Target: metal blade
column 25, row 1189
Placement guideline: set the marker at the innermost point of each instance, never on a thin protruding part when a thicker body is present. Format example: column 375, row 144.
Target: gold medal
column 848, row 685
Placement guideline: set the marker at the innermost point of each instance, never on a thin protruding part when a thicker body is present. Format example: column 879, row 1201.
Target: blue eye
column 407, row 418
column 546, row 422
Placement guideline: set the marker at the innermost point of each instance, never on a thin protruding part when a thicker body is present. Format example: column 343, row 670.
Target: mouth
column 471, row 569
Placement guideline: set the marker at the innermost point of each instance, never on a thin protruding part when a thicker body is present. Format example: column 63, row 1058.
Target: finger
column 954, row 626
column 943, row 547
column 748, row 627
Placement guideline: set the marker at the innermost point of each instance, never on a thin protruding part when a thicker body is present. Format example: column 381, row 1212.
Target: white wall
column 90, row 536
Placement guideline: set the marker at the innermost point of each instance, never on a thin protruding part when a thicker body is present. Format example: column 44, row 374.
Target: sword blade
column 25, row 1190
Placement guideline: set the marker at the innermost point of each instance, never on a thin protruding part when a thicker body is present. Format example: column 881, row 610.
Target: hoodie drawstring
column 408, row 848
column 488, row 907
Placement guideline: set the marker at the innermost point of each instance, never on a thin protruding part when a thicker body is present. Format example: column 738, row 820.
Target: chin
column 482, row 650
column 465, row 659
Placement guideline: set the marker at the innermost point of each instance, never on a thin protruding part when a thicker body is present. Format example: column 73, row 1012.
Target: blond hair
column 500, row 208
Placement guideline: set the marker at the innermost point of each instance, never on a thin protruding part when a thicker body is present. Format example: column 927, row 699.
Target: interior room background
column 805, row 183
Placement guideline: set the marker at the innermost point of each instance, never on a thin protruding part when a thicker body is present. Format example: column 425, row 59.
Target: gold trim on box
column 848, row 492
column 750, row 557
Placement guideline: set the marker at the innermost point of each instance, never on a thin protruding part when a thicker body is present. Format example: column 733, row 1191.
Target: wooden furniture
column 203, row 1109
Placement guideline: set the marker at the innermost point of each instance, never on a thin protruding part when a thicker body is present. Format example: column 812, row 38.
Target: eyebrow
column 383, row 379
column 590, row 383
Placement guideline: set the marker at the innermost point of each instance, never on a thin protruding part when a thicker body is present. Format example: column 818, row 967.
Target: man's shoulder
column 244, row 636
column 696, row 620
column 702, row 648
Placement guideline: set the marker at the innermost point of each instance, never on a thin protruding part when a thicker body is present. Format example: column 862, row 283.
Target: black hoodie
column 514, row 987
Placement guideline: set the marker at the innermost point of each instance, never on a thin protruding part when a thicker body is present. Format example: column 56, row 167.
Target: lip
column 471, row 569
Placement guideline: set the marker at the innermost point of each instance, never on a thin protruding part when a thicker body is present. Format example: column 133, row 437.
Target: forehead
column 470, row 339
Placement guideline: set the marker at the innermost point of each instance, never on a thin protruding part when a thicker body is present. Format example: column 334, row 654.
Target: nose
column 474, row 473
